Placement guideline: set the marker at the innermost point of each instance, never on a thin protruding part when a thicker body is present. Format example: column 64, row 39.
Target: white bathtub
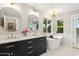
column 53, row 43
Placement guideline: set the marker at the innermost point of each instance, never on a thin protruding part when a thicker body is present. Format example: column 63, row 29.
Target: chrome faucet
column 10, row 37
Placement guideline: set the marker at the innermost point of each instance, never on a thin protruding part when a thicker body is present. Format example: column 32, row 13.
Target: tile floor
column 62, row 51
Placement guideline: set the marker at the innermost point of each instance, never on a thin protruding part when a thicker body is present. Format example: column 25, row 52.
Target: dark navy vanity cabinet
column 28, row 47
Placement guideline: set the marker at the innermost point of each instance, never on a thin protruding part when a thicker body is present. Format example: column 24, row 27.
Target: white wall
column 68, row 30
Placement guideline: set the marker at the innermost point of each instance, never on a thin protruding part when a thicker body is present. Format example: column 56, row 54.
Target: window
column 59, row 26
column 47, row 25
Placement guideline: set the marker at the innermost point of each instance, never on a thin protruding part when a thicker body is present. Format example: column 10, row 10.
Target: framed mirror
column 33, row 23
column 10, row 19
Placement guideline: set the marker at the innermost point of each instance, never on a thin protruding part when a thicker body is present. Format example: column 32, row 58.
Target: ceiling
column 62, row 7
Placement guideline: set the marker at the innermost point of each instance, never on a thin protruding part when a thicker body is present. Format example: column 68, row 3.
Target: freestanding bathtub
column 54, row 43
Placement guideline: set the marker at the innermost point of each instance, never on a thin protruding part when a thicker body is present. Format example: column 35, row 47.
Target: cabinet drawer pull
column 29, row 52
column 10, row 46
column 30, row 41
column 30, row 47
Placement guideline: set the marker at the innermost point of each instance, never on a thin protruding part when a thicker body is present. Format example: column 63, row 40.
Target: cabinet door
column 43, row 44
column 4, row 51
column 37, row 46
column 7, row 49
column 40, row 45
column 19, row 50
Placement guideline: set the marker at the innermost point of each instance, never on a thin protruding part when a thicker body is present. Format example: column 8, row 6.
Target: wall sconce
column 53, row 14
column 12, row 3
column 35, row 9
column 33, row 13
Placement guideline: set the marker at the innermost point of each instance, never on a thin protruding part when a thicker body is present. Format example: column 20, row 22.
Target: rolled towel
column 51, row 36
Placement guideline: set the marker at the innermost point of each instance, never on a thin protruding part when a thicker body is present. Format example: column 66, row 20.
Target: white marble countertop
column 2, row 41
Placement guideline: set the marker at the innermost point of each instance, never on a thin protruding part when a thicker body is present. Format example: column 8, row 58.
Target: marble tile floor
column 62, row 51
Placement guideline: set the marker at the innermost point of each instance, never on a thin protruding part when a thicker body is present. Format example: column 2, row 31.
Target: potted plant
column 25, row 31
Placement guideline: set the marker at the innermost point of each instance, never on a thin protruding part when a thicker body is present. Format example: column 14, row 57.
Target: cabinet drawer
column 29, row 48
column 5, row 47
column 4, row 54
column 25, row 44
column 28, row 44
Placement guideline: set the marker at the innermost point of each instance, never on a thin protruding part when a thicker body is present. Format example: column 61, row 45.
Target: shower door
column 76, row 31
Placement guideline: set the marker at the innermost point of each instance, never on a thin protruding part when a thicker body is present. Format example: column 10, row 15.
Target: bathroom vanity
column 11, row 22
column 24, row 46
